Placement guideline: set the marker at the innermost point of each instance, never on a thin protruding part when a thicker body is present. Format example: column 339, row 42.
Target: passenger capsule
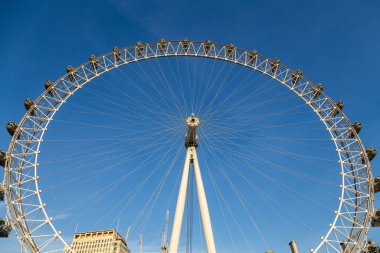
column 3, row 157
column 49, row 84
column 186, row 45
column 371, row 154
column 376, row 184
column 356, row 127
column 139, row 48
column 71, row 71
column 94, row 62
column 274, row 65
column 162, row 45
column 317, row 90
column 5, row 228
column 230, row 50
column 28, row 103
column 371, row 247
column 208, row 45
column 116, row 54
column 296, row 76
column 343, row 245
column 12, row 127
column 375, row 222
column 335, row 110
column 1, row 192
column 252, row 56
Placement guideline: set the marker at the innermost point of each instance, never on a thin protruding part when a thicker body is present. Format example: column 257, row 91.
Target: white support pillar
column 177, row 224
column 191, row 143
column 207, row 228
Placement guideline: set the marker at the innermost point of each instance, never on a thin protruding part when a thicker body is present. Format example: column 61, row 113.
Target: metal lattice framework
column 25, row 206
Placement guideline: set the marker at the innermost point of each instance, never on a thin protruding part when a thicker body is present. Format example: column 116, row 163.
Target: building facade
column 105, row 241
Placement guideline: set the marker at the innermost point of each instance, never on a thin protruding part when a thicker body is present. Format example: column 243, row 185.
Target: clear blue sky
column 335, row 43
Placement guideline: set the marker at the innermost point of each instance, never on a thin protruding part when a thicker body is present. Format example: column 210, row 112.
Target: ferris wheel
column 164, row 123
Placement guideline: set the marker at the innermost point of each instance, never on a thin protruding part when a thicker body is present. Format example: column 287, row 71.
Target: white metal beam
column 207, row 228
column 178, row 217
column 191, row 156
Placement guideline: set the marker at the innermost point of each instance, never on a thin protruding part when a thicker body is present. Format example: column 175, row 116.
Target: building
column 105, row 241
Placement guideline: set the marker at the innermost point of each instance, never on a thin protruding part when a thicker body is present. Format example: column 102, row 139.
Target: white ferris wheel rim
column 22, row 162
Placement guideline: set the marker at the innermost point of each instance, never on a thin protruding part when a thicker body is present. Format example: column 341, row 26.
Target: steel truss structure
column 25, row 206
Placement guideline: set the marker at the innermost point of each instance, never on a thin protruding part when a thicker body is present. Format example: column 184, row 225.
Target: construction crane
column 128, row 232
column 126, row 237
column 164, row 243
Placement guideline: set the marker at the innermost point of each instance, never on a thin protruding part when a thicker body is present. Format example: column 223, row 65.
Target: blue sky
column 335, row 43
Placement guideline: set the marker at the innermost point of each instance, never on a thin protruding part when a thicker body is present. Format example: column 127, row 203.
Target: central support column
column 191, row 143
